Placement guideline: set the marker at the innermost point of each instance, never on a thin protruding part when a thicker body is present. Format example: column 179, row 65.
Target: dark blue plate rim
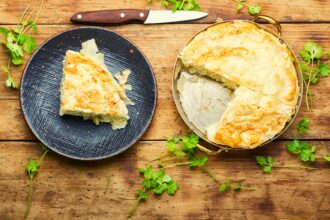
column 102, row 157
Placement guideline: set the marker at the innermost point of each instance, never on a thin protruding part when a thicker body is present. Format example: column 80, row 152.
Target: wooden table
column 68, row 189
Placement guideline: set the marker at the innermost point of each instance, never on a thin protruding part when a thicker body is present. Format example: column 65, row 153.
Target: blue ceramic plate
column 72, row 136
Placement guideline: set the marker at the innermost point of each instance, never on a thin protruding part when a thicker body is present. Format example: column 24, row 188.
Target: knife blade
column 125, row 16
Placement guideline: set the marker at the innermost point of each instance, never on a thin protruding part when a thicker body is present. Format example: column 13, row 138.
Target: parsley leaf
column 4, row 31
column 11, row 83
column 315, row 50
column 303, row 125
column 324, row 69
column 266, row 163
column 254, row 9
column 198, row 162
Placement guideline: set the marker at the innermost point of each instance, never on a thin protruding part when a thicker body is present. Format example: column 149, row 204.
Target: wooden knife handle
column 111, row 17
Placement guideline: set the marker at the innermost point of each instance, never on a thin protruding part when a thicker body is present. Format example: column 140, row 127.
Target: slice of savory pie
column 89, row 90
column 239, row 53
column 250, row 119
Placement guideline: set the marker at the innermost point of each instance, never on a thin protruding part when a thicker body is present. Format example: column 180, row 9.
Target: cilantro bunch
column 18, row 41
column 177, row 5
column 312, row 68
column 156, row 181
column 252, row 9
column 305, row 151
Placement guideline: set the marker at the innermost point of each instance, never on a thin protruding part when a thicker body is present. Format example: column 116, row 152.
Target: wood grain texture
column 162, row 57
column 59, row 11
column 66, row 189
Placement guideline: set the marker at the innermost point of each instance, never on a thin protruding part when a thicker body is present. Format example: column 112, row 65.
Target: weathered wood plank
column 70, row 189
column 162, row 57
column 59, row 12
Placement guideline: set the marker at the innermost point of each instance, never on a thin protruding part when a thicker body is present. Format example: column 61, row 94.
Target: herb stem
column 125, row 198
column 210, row 174
column 27, row 210
column 42, row 157
column 307, row 87
column 133, row 208
column 248, row 188
column 177, row 164
column 297, row 166
column 107, row 185
column 22, row 16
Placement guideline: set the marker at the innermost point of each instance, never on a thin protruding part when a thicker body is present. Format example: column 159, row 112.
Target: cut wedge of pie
column 89, row 90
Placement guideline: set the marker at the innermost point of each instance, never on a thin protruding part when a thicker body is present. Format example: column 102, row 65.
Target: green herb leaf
column 313, row 49
column 237, row 187
column 261, row 160
column 223, row 187
column 142, row 194
column 4, row 31
column 254, row 9
column 296, row 146
column 172, row 187
column 11, row 83
column 29, row 45
column 324, row 69
column 303, row 125
column 32, row 167
column 327, row 158
column 267, row 169
column 305, row 56
column 198, row 162
column 240, row 6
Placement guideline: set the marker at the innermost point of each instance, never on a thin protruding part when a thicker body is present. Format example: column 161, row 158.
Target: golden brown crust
column 88, row 87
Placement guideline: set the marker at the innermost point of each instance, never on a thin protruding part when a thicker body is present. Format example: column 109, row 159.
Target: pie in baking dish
column 260, row 70
column 89, row 90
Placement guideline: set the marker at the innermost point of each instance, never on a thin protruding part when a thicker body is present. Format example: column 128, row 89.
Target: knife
column 125, row 16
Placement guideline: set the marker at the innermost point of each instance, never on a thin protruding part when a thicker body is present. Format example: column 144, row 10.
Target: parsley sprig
column 268, row 164
column 156, row 181
column 223, row 187
column 252, row 9
column 32, row 168
column 177, row 5
column 305, row 152
column 18, row 41
column 312, row 68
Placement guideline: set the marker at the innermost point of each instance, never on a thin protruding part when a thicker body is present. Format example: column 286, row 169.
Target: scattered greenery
column 252, row 9
column 312, row 68
column 32, row 168
column 236, row 187
column 18, row 41
column 303, row 125
column 177, row 5
column 180, row 149
column 305, row 151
